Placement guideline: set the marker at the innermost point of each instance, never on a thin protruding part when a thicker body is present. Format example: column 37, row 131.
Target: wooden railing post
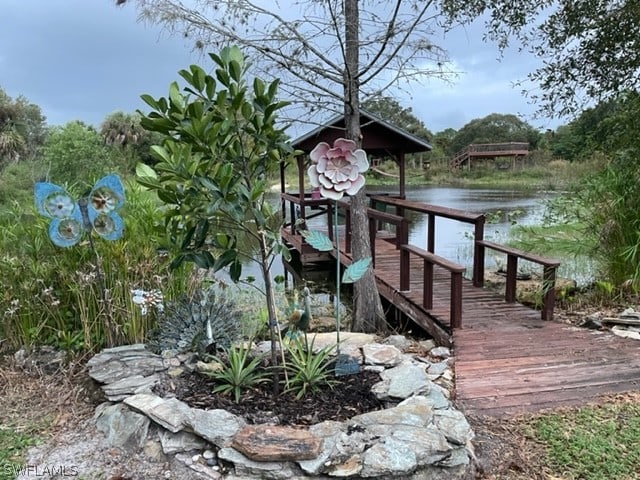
column 548, row 292
column 456, row 300
column 548, row 276
column 478, row 253
column 431, row 259
column 373, row 228
column 402, row 233
column 405, row 273
column 431, row 233
column 427, row 295
column 330, row 225
column 292, row 214
column 512, row 273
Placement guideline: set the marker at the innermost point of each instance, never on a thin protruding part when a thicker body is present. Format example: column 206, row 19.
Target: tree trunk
column 271, row 313
column 368, row 315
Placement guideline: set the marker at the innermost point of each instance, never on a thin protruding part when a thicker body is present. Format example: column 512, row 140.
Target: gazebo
column 379, row 139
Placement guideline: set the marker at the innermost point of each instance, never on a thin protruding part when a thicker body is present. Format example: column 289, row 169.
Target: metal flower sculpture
column 96, row 212
column 337, row 171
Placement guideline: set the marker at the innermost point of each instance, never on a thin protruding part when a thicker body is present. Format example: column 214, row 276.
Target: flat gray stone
column 328, row 431
column 171, row 413
column 379, row 354
column 427, row 443
column 440, row 352
column 437, row 397
column 353, row 339
column 438, row 368
column 113, row 364
column 415, row 411
column 453, row 425
column 401, row 342
column 457, row 457
column 123, row 428
column 388, row 457
column 245, row 467
column 402, row 382
column 180, row 442
column 216, row 426
column 121, row 389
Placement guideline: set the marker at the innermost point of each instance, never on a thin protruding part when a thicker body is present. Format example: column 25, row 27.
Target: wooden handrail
column 430, row 259
column 376, row 216
column 548, row 274
column 421, row 207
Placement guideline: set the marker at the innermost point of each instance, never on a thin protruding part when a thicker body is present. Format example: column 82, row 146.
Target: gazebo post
column 402, row 175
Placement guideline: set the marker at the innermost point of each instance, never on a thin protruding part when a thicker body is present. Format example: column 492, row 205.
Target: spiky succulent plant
column 205, row 321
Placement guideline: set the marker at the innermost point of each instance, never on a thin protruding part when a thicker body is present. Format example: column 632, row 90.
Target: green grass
column 13, row 445
column 592, row 443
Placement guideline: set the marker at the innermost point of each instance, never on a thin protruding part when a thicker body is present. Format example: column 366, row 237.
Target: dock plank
column 507, row 360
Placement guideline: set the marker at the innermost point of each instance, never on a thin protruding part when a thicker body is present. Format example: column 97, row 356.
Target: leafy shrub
column 308, row 370
column 240, row 371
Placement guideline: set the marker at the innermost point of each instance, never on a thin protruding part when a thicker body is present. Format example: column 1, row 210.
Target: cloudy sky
column 84, row 59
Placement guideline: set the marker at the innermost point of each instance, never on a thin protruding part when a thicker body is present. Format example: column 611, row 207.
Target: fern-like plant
column 240, row 372
column 308, row 371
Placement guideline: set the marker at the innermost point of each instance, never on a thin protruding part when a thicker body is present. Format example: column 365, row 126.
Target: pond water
column 454, row 239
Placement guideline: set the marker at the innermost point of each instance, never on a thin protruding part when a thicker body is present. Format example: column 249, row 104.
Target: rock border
column 420, row 435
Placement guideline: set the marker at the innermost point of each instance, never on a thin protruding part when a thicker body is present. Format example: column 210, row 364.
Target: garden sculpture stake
column 337, row 171
column 95, row 212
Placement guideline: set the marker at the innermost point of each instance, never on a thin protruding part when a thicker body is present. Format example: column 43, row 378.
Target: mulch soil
column 350, row 396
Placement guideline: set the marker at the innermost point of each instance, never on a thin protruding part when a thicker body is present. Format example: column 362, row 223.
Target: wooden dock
column 507, row 359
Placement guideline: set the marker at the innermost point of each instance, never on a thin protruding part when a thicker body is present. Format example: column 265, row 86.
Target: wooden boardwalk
column 507, row 360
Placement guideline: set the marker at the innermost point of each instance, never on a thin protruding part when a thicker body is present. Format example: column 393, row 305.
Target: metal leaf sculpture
column 95, row 212
column 317, row 240
column 356, row 270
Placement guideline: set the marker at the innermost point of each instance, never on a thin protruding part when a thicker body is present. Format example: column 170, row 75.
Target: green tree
column 607, row 128
column 393, row 112
column 566, row 144
column 74, row 153
column 122, row 129
column 442, row 141
column 22, row 128
column 494, row 128
column 389, row 109
column 221, row 144
column 328, row 54
column 123, row 133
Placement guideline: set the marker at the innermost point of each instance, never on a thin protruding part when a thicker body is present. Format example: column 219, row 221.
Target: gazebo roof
column 378, row 136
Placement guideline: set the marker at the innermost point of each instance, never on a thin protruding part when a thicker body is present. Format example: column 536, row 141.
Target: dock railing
column 479, row 251
column 398, row 234
column 548, row 274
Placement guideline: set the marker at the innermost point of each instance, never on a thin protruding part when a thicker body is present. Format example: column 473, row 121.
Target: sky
column 85, row 59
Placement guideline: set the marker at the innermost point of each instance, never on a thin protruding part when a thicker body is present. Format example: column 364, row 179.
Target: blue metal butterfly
column 95, row 212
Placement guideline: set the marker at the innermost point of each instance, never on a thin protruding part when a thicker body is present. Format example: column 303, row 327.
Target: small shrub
column 240, row 372
column 308, row 371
